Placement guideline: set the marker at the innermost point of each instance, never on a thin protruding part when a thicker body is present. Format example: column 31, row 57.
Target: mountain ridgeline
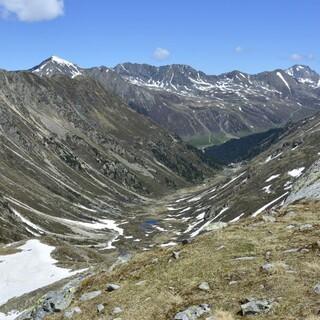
column 205, row 109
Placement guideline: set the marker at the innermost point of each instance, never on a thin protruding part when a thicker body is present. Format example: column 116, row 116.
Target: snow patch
column 195, row 233
column 266, row 189
column 196, row 198
column 236, row 219
column 169, row 244
column 275, row 176
column 201, row 216
column 287, row 185
column 272, row 157
column 185, row 209
column 28, row 270
column 296, row 172
column 28, row 223
column 232, row 180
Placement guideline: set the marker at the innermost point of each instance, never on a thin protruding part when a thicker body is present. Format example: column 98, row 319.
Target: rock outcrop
column 308, row 185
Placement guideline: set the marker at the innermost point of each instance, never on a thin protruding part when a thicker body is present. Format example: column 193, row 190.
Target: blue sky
column 211, row 35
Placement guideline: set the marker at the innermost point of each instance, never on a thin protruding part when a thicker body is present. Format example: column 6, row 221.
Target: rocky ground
column 267, row 267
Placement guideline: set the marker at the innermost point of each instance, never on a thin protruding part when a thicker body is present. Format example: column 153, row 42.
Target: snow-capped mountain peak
column 60, row 61
column 56, row 65
column 304, row 74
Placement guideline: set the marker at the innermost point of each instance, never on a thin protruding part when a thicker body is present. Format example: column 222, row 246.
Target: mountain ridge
column 182, row 65
column 206, row 109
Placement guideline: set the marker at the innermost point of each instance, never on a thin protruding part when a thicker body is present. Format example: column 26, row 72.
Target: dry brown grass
column 223, row 315
column 172, row 285
column 313, row 267
column 8, row 250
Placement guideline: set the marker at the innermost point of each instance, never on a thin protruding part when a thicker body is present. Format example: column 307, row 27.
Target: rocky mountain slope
column 205, row 109
column 73, row 155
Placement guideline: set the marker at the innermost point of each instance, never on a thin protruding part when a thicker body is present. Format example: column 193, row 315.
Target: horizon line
column 163, row 65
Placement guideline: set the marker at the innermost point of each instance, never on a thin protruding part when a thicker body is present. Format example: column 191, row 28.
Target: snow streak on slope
column 283, row 79
column 268, row 205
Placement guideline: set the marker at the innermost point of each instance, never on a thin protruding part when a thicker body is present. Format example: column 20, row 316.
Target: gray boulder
column 53, row 301
column 307, row 186
column 267, row 268
column 112, row 287
column 193, row 312
column 254, row 306
column 90, row 295
column 204, row 286
column 117, row 310
column 304, row 227
column 270, row 268
column 100, row 308
column 57, row 301
column 316, row 288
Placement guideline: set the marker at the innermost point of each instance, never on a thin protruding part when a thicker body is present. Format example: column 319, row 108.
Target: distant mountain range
column 204, row 109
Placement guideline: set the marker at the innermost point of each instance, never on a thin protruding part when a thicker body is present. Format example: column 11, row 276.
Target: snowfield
column 28, row 270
